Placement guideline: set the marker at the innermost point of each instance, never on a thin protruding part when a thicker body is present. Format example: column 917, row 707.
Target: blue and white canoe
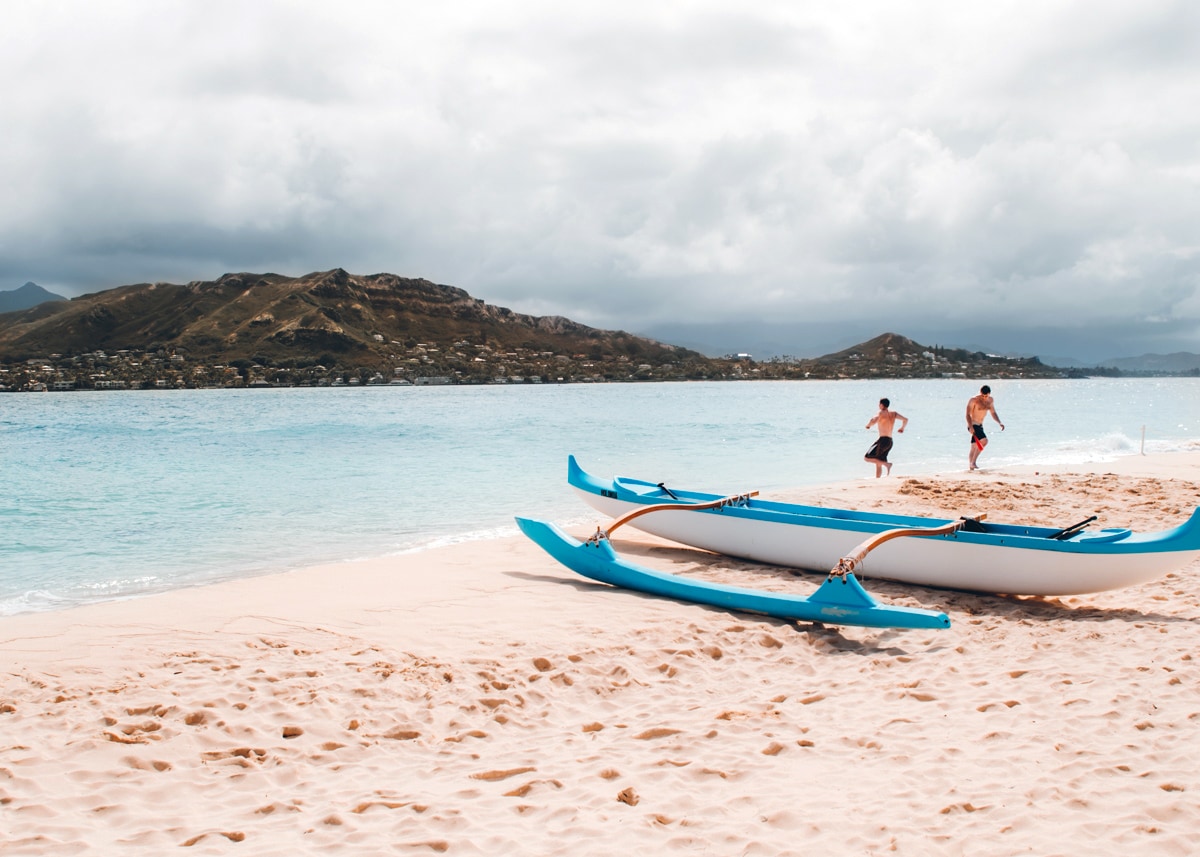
column 840, row 600
column 982, row 557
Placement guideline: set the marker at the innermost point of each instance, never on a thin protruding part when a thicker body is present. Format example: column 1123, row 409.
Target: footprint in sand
column 659, row 732
column 523, row 791
column 399, row 734
column 493, row 776
column 235, row 836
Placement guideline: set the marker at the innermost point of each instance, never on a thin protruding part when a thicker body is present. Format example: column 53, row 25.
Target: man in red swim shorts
column 978, row 408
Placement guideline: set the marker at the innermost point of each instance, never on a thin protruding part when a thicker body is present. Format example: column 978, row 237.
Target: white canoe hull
column 954, row 561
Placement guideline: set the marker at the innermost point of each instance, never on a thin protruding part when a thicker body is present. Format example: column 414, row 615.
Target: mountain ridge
column 284, row 330
column 26, row 297
column 1175, row 363
column 245, row 315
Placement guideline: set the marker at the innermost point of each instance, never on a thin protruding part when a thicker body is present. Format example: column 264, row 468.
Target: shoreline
column 1064, row 374
column 479, row 698
column 221, row 491
column 836, row 493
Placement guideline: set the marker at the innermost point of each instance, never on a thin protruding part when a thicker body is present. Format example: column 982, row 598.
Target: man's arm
column 903, row 420
column 996, row 417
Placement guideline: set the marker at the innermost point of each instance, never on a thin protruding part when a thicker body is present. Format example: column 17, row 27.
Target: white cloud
column 623, row 164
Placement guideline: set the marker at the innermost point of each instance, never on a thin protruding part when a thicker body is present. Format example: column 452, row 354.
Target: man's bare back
column 886, row 420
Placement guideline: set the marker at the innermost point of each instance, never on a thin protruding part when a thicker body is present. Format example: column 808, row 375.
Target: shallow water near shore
column 115, row 494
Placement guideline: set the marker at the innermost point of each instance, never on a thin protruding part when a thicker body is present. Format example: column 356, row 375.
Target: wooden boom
column 854, row 559
column 732, row 500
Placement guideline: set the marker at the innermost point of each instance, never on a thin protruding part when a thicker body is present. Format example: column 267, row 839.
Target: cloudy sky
column 1014, row 176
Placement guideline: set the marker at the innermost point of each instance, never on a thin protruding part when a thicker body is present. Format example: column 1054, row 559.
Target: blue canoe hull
column 838, row 601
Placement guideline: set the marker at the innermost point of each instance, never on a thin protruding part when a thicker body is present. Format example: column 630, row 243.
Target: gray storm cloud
column 881, row 166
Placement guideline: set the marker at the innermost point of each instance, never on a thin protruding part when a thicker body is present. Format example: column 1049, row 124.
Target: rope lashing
column 732, row 500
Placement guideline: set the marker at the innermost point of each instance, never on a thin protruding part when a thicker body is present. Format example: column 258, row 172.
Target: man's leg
column 977, row 446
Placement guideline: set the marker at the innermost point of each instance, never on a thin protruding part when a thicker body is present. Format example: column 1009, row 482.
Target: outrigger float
column 840, row 600
column 966, row 554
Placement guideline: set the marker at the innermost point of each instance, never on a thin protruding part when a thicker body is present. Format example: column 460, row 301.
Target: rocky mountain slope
column 332, row 316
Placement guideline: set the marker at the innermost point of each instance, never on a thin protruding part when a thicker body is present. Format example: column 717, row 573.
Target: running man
column 978, row 408
column 878, row 453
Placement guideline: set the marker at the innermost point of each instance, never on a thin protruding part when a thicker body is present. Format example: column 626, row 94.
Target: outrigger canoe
column 976, row 556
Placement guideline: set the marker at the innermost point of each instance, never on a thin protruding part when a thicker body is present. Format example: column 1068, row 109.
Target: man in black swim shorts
column 878, row 452
column 977, row 409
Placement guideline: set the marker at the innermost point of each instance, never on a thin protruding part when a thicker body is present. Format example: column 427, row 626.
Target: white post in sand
column 1143, row 440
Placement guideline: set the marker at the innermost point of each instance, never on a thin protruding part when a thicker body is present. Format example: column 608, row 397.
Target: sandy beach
column 481, row 699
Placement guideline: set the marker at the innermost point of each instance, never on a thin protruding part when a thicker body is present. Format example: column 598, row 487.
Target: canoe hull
column 1008, row 559
column 838, row 601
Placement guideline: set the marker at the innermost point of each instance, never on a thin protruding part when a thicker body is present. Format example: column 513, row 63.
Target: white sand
column 480, row 699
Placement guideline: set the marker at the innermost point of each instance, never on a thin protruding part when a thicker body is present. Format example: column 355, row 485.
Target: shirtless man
column 978, row 408
column 878, row 453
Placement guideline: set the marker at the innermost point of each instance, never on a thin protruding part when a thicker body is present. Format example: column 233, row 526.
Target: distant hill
column 879, row 349
column 892, row 348
column 29, row 295
column 1167, row 364
column 331, row 316
column 890, row 355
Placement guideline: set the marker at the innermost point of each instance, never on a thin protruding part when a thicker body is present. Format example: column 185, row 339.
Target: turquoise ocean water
column 116, row 494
